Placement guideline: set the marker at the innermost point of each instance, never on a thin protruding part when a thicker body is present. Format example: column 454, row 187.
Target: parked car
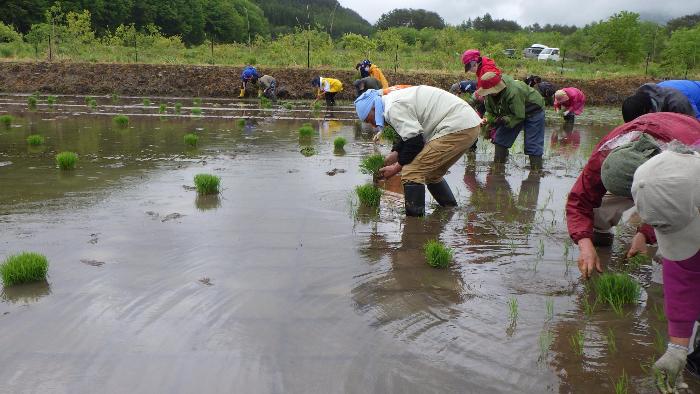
column 533, row 51
column 509, row 52
column 549, row 54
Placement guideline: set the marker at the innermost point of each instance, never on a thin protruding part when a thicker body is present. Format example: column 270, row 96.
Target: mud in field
column 222, row 81
column 282, row 283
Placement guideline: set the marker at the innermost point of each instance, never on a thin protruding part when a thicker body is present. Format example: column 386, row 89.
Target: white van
column 533, row 51
column 549, row 54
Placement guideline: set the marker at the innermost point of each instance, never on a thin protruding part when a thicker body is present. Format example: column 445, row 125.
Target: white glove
column 668, row 369
column 566, row 113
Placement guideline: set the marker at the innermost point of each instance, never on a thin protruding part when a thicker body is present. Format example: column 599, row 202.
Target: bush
column 35, row 139
column 617, row 289
column 339, row 143
column 369, row 195
column 66, row 160
column 306, row 130
column 371, row 164
column 207, row 183
column 23, row 268
column 191, row 139
column 437, row 255
column 121, row 120
column 6, row 120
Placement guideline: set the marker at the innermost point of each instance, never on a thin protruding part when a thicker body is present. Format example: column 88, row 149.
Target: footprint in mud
column 153, row 215
column 94, row 238
column 172, row 216
column 292, row 171
column 335, row 171
column 92, row 263
column 206, row 281
column 189, row 188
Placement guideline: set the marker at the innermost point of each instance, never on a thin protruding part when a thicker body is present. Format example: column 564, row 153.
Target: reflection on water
column 26, row 293
column 207, row 202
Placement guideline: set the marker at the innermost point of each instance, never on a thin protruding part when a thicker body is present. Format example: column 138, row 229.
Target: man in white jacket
column 436, row 129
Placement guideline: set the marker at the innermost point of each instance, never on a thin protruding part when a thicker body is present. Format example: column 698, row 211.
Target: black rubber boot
column 414, row 196
column 602, row 239
column 501, row 154
column 535, row 163
column 442, row 194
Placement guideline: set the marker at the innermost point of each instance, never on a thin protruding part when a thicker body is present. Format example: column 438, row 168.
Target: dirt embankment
column 223, row 81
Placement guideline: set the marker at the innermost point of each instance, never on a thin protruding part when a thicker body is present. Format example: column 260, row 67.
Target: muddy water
column 281, row 283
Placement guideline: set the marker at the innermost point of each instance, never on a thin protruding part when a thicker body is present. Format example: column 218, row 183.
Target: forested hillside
column 328, row 15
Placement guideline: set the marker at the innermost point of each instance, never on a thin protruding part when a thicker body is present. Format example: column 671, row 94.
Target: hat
column 560, row 96
column 470, row 55
column 368, row 100
column 491, row 83
column 316, row 81
column 454, row 89
column 618, row 168
column 666, row 192
column 635, row 106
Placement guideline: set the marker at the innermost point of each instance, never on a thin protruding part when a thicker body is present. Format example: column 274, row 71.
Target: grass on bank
column 24, row 267
column 207, row 184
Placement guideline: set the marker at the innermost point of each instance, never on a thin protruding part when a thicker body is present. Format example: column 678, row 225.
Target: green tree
column 410, row 17
column 683, row 51
column 618, row 39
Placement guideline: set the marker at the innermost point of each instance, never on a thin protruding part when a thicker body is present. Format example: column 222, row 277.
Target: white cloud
column 568, row 12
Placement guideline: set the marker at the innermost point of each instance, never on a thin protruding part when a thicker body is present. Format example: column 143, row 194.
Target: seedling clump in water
column 92, row 103
column 196, row 111
column 371, row 164
column 306, row 130
column 207, row 183
column 191, row 139
column 6, row 120
column 162, row 108
column 308, row 151
column 339, row 143
column 197, row 101
column 178, row 108
column 66, row 160
column 31, row 102
column 617, row 290
column 24, row 268
column 389, row 134
column 241, row 122
column 146, row 102
column 369, row 195
column 287, row 105
column 35, row 139
column 121, row 120
column 265, row 102
column 437, row 254
column 51, row 100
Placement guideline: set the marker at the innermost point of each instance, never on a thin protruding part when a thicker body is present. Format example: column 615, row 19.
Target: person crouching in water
column 571, row 100
column 514, row 106
column 364, row 84
column 436, row 129
column 327, row 88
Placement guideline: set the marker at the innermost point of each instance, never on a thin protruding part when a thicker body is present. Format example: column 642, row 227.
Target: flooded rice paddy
column 282, row 283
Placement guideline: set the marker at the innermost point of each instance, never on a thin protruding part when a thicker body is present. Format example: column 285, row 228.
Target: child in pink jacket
column 571, row 100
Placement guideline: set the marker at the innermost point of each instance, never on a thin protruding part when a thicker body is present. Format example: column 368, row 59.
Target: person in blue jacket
column 249, row 75
column 680, row 96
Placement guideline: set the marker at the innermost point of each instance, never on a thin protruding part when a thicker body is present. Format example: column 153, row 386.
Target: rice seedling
column 389, row 134
column 659, row 312
column 6, row 120
column 659, row 341
column 66, row 160
column 316, row 106
column 549, row 307
column 306, row 131
column 35, row 139
column 51, row 100
column 622, row 384
column 617, row 290
column 369, row 195
column 92, row 103
column 545, row 341
column 288, row 106
column 637, row 261
column 308, row 151
column 577, row 340
column 265, row 102
column 196, row 111
column 240, row 123
column 24, row 267
column 610, row 339
column 162, row 108
column 121, row 120
column 207, row 183
column 31, row 102
column 339, row 143
column 191, row 139
column 197, row 101
column 146, row 102
column 371, row 164
column 178, row 108
column 115, row 98
column 437, row 254
column 513, row 309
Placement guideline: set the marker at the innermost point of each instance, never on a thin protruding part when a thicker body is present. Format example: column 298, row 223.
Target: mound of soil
column 223, row 81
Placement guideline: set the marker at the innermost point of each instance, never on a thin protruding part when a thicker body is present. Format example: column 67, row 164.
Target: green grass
column 121, row 120
column 51, row 100
column 178, row 108
column 390, row 135
column 308, row 151
column 577, row 340
column 265, row 102
column 196, row 111
column 369, row 195
column 437, row 254
column 617, row 290
column 306, row 130
column 162, row 108
column 339, row 143
column 35, row 139
column 191, row 139
column 31, row 102
column 6, row 120
column 371, row 164
column 240, row 123
column 146, row 102
column 66, row 160
column 24, row 267
column 207, row 183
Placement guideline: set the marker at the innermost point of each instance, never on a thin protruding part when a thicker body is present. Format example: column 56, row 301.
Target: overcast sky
column 577, row 12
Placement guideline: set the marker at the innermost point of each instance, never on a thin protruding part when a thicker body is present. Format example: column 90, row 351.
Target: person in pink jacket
column 571, row 100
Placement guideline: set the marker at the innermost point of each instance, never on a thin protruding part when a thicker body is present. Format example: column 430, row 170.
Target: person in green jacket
column 512, row 106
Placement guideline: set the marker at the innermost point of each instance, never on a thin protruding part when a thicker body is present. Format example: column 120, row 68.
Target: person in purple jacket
column 666, row 192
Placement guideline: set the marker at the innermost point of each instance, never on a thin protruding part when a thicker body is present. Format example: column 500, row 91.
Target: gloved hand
column 668, row 369
column 566, row 113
